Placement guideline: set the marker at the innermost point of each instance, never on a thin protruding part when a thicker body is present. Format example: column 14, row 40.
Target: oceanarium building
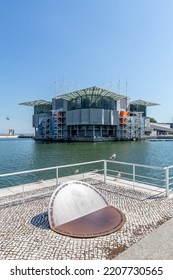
column 91, row 114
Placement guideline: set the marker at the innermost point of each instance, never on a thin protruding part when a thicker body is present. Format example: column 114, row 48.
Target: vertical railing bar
column 167, row 181
column 134, row 176
column 57, row 177
column 105, row 171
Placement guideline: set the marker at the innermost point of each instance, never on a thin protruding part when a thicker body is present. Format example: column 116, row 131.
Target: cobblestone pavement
column 25, row 232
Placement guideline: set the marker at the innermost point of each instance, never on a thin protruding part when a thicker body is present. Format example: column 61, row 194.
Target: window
column 91, row 101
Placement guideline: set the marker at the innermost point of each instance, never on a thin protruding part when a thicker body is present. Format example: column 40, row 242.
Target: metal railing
column 138, row 175
column 169, row 176
column 130, row 174
column 92, row 167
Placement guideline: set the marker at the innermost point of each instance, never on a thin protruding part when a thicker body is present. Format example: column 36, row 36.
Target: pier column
column 101, row 131
column 93, row 130
column 114, row 131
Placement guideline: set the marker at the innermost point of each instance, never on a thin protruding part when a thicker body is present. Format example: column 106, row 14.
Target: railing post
column 23, row 193
column 105, row 170
column 167, row 181
column 133, row 176
column 57, row 176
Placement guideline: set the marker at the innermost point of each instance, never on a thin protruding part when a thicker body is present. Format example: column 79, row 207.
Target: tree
column 152, row 120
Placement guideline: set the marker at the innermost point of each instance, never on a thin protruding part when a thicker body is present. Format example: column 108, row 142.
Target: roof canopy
column 143, row 103
column 90, row 91
column 36, row 103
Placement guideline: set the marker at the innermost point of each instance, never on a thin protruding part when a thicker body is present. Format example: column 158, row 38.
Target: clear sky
column 79, row 44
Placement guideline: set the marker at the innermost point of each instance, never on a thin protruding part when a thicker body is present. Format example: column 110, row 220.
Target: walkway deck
column 147, row 234
column 158, row 245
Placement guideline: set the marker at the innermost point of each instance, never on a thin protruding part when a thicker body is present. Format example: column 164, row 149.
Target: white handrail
column 136, row 164
column 105, row 169
column 49, row 168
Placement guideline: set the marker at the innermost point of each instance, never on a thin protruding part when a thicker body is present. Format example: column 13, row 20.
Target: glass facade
column 138, row 108
column 91, row 101
column 42, row 109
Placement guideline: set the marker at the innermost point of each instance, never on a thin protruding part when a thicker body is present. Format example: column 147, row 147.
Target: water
column 26, row 154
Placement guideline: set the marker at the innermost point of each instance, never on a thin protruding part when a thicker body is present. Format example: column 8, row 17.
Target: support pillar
column 93, row 130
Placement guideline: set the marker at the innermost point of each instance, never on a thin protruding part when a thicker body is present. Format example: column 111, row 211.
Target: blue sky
column 79, row 44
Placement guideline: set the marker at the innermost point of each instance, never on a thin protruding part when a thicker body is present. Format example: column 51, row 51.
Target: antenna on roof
column 55, row 88
column 63, row 85
column 78, row 86
column 111, row 85
column 118, row 85
column 126, row 87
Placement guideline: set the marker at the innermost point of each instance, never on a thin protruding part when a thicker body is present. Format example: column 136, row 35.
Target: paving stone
column 25, row 231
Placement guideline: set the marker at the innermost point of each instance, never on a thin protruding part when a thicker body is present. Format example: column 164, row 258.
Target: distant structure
column 158, row 130
column 91, row 114
column 11, row 132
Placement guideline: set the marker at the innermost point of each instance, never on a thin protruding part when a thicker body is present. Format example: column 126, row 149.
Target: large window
column 138, row 108
column 42, row 109
column 91, row 101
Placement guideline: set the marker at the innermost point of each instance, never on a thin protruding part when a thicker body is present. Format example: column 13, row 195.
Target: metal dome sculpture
column 78, row 209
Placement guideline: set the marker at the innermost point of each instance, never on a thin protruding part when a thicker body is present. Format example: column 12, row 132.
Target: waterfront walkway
column 158, row 245
column 25, row 231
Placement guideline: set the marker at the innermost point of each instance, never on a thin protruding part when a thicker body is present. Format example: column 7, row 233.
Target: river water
column 26, row 154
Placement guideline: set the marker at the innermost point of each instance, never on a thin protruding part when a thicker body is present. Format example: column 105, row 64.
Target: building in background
column 91, row 114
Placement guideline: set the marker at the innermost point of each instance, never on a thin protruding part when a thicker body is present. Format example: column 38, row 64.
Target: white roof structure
column 39, row 102
column 91, row 91
column 143, row 103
